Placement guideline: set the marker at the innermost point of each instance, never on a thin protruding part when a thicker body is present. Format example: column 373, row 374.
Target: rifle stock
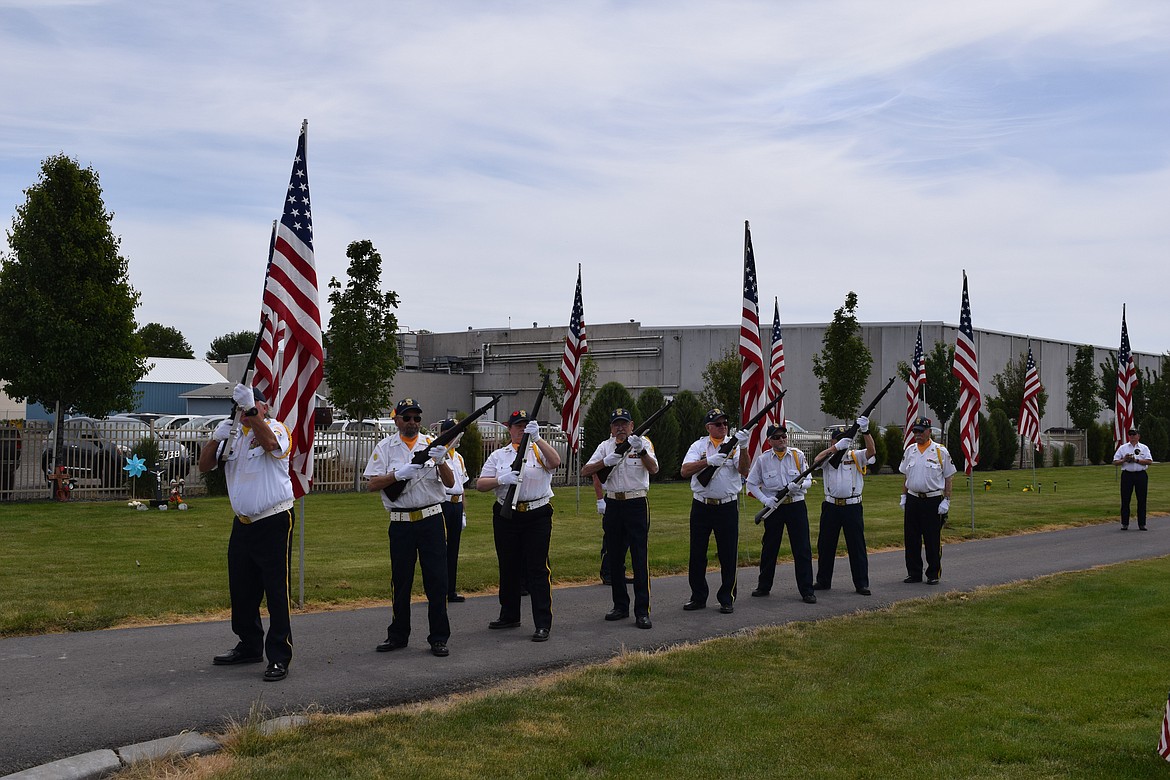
column 394, row 489
column 512, row 497
column 623, row 447
column 729, row 443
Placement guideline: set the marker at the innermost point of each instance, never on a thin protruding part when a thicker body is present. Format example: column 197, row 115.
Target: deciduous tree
column 239, row 342
column 721, row 385
column 844, row 363
column 1083, row 404
column 163, row 341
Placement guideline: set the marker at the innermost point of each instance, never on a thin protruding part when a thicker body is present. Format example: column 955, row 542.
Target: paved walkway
column 66, row 694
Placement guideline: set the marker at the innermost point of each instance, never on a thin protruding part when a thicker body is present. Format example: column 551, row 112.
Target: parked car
column 348, row 444
column 97, row 449
column 169, row 422
column 193, row 433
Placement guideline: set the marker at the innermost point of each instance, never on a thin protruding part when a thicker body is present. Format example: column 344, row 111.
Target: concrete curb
column 106, row 763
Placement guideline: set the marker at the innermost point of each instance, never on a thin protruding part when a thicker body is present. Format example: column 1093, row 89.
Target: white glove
column 409, row 471
column 795, row 487
column 601, row 506
column 637, row 444
column 222, row 431
column 944, row 506
column 533, row 431
column 843, row 443
column 464, row 519
column 612, row 459
column 438, row 454
column 242, row 395
column 863, row 424
column 716, row 460
column 770, row 501
column 902, row 501
column 508, row 478
column 743, row 437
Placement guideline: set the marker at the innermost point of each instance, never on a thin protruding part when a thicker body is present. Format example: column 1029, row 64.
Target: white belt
column 927, row 494
column 716, row 501
column 623, row 496
column 414, row 515
column 790, row 499
column 842, row 501
column 281, row 507
column 528, row 506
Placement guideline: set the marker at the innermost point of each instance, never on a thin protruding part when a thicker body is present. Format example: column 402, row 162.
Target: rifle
column 512, row 497
column 624, row 446
column 394, row 489
column 729, row 443
column 834, row 458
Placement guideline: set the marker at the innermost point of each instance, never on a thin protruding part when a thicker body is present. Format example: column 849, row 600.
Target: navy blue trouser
column 723, row 522
column 1134, row 482
column 258, row 569
column 453, row 520
column 522, row 549
column 922, row 528
column 423, row 541
column 793, row 516
column 834, row 520
column 627, row 526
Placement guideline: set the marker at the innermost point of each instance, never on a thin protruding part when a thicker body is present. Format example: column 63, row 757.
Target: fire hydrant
column 63, row 484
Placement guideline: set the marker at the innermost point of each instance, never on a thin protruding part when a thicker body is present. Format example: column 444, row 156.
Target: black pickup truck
column 10, row 445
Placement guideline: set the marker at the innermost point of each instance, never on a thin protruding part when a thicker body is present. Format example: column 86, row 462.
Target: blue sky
column 487, row 148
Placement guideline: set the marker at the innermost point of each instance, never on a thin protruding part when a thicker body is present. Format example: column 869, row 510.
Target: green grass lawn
column 80, row 566
column 1062, row 677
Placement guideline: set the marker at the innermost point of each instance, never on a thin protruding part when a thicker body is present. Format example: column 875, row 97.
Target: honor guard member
column 454, row 515
column 714, row 510
column 626, row 521
column 1134, row 458
column 841, row 509
column 416, row 528
column 522, row 540
column 926, row 498
column 255, row 463
column 770, row 473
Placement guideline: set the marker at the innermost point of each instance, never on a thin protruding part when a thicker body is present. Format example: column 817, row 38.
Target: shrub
column 1007, row 438
column 893, row 438
column 1054, row 455
column 1040, row 456
column 609, row 396
column 664, row 435
column 471, row 448
column 1096, row 438
column 1069, row 456
column 146, row 485
column 1156, row 436
column 989, row 446
column 880, row 455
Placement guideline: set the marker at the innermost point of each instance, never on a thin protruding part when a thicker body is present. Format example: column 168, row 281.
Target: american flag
column 914, row 383
column 1164, row 739
column 575, row 349
column 1126, row 379
column 751, row 377
column 776, row 368
column 289, row 364
column 1030, row 407
column 966, row 368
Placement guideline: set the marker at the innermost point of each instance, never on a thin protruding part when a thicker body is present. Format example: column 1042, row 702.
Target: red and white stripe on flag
column 290, row 359
column 1164, row 739
column 776, row 369
column 914, row 383
column 1126, row 379
column 1030, row 407
column 751, row 377
column 966, row 368
column 575, row 348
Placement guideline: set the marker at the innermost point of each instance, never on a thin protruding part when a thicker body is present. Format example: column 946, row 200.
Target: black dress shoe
column 693, row 605
column 643, row 621
column 440, row 649
column 909, row 580
column 1125, row 526
column 275, row 672
column 809, row 598
column 617, row 614
column 523, row 590
column 932, row 581
column 456, row 598
column 864, row 591
column 540, row 635
column 391, row 643
column 504, row 624
column 819, row 586
column 760, row 592
column 727, row 609
column 236, row 656
column 605, row 580
column 1141, row 528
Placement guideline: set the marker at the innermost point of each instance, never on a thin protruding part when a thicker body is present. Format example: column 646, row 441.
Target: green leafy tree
column 1157, row 389
column 557, row 387
column 989, row 445
column 66, row 304
column 239, row 342
column 1006, row 437
column 942, row 386
column 893, row 436
column 610, row 396
column 664, row 434
column 163, row 341
column 843, row 366
column 1107, row 391
column 1009, row 389
column 1083, row 402
column 721, row 385
column 1156, row 435
column 880, row 456
column 1099, row 438
column 471, row 447
column 689, row 411
column 361, row 344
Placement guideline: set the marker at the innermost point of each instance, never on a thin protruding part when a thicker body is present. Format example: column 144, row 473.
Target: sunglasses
column 410, row 417
column 777, row 436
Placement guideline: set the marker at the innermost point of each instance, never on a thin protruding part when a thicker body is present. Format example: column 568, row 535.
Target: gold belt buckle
column 522, row 506
column 840, row 501
column 620, row 496
column 244, row 519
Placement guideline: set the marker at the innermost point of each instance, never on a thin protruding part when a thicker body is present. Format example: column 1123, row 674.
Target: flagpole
column 301, row 604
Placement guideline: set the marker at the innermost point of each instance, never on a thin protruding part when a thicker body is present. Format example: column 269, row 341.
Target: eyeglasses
column 776, row 436
column 410, row 417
